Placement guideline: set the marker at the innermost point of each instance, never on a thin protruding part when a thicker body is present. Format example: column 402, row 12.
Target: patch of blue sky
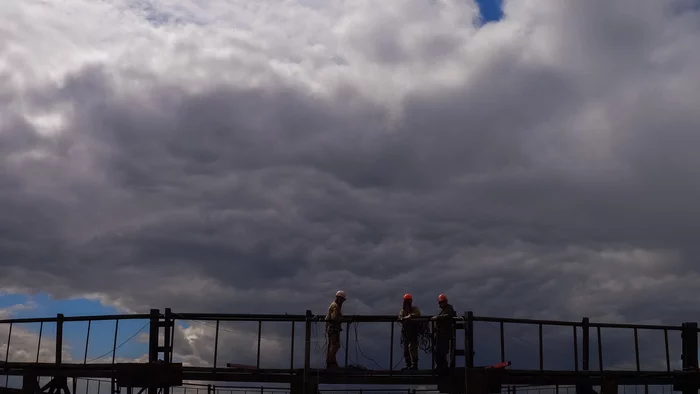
column 491, row 10
column 75, row 334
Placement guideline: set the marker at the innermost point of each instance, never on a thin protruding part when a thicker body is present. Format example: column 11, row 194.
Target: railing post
column 689, row 357
column 469, row 348
column 153, row 332
column 153, row 336
column 585, row 355
column 585, row 344
column 469, row 319
column 59, row 338
column 167, row 343
column 307, row 350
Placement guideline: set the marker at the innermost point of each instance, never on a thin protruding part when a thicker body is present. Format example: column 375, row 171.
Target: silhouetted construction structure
column 160, row 374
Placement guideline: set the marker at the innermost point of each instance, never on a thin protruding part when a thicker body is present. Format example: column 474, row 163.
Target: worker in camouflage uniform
column 410, row 330
column 444, row 331
column 334, row 319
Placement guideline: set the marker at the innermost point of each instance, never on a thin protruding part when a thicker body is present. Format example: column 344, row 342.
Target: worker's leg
column 406, row 351
column 442, row 348
column 414, row 353
column 333, row 347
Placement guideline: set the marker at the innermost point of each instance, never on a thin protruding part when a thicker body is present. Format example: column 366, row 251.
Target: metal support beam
column 689, row 357
column 154, row 319
column 585, row 388
column 307, row 352
column 153, row 337
column 59, row 338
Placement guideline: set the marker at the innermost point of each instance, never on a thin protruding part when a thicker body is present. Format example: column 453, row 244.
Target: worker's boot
column 331, row 365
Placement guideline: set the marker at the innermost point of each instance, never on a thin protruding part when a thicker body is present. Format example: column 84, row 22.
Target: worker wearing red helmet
column 409, row 331
column 334, row 319
column 444, row 331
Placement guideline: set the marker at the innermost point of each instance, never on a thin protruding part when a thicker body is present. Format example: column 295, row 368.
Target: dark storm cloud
column 556, row 180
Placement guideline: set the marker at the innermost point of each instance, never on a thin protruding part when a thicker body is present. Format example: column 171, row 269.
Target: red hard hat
column 407, row 297
column 442, row 298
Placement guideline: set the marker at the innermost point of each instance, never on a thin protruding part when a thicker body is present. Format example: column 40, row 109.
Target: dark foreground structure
column 160, row 374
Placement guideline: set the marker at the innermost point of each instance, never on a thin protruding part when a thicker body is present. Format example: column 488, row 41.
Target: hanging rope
column 425, row 338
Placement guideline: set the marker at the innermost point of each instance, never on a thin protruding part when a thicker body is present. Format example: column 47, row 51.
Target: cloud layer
column 248, row 156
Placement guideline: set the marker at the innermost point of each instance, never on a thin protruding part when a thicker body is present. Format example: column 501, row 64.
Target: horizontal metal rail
column 169, row 319
column 65, row 319
column 349, row 318
column 239, row 317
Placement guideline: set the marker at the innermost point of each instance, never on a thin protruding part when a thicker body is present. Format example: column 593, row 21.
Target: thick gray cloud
column 257, row 156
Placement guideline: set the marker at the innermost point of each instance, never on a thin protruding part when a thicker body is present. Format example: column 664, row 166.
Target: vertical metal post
column 503, row 342
column 291, row 356
column 153, row 338
column 469, row 348
column 689, row 336
column 216, row 343
column 600, row 348
column 432, row 353
column 87, row 342
column 114, row 344
column 75, row 385
column 7, row 353
column 585, row 344
column 453, row 347
column 167, row 341
column 167, row 348
column 153, row 341
column 87, row 386
column 636, row 348
column 469, row 319
column 585, row 388
column 307, row 350
column 391, row 350
column 114, row 355
column 259, row 342
column 541, row 346
column 668, row 357
column 171, row 329
column 59, row 338
column 575, row 349
column 347, row 343
column 38, row 346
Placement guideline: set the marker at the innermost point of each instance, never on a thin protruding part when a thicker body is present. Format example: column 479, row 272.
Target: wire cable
column 357, row 344
column 114, row 350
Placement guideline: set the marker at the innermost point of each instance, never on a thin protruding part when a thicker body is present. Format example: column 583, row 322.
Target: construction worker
column 409, row 331
column 334, row 319
column 444, row 331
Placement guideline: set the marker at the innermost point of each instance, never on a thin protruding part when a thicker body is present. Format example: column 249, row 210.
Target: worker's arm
column 446, row 314
column 415, row 312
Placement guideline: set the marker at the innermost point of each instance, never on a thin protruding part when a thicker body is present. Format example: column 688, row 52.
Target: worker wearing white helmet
column 334, row 318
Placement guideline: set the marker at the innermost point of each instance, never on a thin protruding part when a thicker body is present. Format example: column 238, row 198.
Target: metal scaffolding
column 160, row 373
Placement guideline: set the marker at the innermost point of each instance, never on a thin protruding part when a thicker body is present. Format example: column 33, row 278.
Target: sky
column 527, row 158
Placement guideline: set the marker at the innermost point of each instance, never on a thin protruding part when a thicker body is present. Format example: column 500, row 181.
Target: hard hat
column 407, row 297
column 442, row 298
column 340, row 293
